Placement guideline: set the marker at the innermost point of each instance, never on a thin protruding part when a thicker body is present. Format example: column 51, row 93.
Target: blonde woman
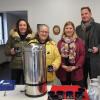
column 72, row 52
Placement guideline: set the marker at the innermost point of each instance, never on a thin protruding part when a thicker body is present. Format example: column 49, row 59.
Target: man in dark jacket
column 89, row 31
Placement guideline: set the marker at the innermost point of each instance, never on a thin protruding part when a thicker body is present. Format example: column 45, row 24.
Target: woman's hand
column 67, row 68
column 54, row 67
column 73, row 68
column 12, row 51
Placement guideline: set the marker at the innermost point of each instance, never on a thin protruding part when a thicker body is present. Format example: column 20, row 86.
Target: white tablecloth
column 17, row 95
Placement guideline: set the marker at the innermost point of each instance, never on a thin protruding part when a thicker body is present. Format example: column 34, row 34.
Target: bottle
column 93, row 91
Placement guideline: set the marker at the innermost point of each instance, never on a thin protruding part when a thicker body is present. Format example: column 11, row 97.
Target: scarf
column 86, row 26
column 68, row 48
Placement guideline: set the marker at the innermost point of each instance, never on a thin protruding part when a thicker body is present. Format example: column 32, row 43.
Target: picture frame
column 56, row 29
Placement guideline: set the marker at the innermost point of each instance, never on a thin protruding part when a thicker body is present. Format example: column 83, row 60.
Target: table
column 17, row 95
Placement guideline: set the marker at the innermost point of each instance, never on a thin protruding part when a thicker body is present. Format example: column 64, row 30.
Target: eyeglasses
column 44, row 31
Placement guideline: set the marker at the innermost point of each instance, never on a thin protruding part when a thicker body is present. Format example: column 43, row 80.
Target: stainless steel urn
column 35, row 70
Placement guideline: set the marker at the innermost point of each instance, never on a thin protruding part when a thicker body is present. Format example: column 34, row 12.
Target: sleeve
column 8, row 46
column 98, row 36
column 81, row 58
column 57, row 57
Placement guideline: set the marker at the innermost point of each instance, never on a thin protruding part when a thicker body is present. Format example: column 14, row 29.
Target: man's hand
column 95, row 50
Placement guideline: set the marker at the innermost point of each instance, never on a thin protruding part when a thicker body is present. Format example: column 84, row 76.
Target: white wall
column 51, row 11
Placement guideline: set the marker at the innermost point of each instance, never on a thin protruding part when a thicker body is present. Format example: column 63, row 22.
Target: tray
column 73, row 88
column 6, row 85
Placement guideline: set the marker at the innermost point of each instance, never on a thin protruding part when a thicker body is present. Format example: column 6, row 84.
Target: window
column 1, row 30
column 7, row 20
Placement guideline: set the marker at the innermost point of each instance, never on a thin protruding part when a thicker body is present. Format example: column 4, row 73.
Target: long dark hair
column 29, row 30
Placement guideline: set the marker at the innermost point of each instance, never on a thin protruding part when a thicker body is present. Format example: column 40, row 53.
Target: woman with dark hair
column 72, row 52
column 18, row 38
column 53, row 58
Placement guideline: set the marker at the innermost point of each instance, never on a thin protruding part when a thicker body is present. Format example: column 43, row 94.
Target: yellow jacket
column 52, row 57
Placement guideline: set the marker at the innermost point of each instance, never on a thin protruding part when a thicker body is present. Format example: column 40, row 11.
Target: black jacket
column 91, row 38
